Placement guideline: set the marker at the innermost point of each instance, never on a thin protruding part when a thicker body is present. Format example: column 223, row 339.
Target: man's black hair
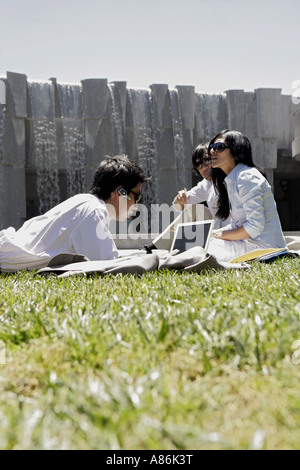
column 116, row 171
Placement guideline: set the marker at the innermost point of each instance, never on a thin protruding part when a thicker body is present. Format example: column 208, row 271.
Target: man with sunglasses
column 204, row 191
column 79, row 225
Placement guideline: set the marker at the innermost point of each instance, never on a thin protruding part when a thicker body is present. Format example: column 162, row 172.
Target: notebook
column 190, row 234
column 261, row 254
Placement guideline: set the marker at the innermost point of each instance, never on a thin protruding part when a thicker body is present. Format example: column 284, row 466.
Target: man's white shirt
column 77, row 225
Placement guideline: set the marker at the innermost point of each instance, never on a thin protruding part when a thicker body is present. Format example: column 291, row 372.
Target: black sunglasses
column 218, row 147
column 205, row 162
column 137, row 197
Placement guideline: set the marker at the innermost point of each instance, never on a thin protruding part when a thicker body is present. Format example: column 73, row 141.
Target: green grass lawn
column 168, row 360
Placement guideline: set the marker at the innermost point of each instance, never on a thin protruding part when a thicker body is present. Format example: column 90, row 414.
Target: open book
column 262, row 254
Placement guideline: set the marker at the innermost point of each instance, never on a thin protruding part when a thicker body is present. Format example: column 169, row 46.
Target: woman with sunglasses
column 204, row 191
column 245, row 196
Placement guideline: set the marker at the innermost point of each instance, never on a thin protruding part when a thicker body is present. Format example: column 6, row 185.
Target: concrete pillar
column 121, row 95
column 250, row 115
column 16, row 95
column 2, row 91
column 13, row 188
column 269, row 159
column 2, row 111
column 269, row 111
column 210, row 116
column 164, row 137
column 162, row 118
column 236, row 110
column 42, row 158
column 269, row 121
column 70, row 139
column 141, row 138
column 98, row 132
column 94, row 98
column 187, row 100
column 187, row 104
column 264, row 152
column 296, row 141
column 118, row 92
column 286, row 127
column 168, row 185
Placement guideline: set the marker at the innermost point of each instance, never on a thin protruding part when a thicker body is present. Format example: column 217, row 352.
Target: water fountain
column 43, row 149
column 72, row 145
column 118, row 118
column 53, row 135
column 142, row 114
column 178, row 137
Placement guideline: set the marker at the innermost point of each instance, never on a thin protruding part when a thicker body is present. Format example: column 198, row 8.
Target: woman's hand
column 231, row 235
column 181, row 199
column 217, row 233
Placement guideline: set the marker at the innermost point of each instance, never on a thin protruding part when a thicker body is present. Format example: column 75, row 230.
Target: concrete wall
column 53, row 135
column 296, row 141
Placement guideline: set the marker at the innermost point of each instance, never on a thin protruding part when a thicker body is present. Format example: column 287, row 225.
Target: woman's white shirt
column 252, row 206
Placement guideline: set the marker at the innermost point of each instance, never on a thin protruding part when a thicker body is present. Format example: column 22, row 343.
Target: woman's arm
column 250, row 189
column 195, row 195
column 250, row 196
column 181, row 200
column 238, row 233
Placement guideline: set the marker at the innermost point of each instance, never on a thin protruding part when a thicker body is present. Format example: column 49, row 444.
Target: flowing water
column 178, row 138
column 118, row 123
column 142, row 112
column 73, row 137
column 57, row 133
column 44, row 149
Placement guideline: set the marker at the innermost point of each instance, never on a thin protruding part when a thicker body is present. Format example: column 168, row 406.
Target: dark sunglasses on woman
column 218, row 147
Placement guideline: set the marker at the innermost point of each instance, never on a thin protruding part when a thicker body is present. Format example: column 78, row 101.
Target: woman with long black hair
column 245, row 195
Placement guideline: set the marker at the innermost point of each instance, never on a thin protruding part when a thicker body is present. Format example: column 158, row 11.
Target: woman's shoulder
column 245, row 172
column 204, row 184
column 249, row 179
